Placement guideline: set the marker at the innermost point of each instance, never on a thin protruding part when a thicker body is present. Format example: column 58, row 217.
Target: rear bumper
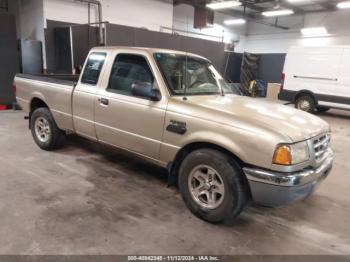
column 287, row 95
column 271, row 188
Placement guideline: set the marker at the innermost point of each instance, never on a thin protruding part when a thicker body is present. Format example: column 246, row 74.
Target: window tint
column 93, row 68
column 127, row 70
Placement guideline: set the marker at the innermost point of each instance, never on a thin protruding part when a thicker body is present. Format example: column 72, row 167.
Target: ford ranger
column 175, row 110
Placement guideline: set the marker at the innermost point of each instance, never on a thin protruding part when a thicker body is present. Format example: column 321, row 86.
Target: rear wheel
column 44, row 130
column 305, row 103
column 212, row 186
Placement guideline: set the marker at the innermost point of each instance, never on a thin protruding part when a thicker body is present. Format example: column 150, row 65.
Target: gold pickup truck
column 175, row 110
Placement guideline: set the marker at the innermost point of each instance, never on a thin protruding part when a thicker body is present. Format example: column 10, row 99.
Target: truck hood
column 246, row 112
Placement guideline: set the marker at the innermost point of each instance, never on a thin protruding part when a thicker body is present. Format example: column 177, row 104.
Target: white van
column 317, row 78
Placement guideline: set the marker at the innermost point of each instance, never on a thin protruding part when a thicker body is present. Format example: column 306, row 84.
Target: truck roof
column 147, row 49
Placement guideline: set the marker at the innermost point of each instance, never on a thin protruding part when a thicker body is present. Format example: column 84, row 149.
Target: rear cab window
column 93, row 68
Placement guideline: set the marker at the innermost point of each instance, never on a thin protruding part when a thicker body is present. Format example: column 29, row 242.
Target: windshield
column 188, row 75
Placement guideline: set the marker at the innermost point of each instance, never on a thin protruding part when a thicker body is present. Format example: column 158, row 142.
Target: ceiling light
column 278, row 12
column 314, row 31
column 223, row 5
column 343, row 5
column 235, row 22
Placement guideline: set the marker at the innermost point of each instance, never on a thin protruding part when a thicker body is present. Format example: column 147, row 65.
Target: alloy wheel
column 206, row 186
column 42, row 129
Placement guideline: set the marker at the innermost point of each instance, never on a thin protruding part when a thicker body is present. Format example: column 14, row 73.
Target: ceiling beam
column 234, row 13
column 286, row 4
column 255, row 9
column 329, row 6
column 252, row 6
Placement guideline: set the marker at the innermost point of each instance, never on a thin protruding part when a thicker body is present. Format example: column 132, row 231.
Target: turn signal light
column 283, row 77
column 283, row 156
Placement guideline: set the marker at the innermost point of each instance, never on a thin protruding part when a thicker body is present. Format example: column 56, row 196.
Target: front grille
column 321, row 145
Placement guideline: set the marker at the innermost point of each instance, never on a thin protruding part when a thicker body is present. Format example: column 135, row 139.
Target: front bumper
column 271, row 188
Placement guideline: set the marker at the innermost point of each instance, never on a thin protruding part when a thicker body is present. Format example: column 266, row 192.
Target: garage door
column 9, row 62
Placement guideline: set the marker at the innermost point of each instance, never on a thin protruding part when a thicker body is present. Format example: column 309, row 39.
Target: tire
column 44, row 130
column 322, row 109
column 234, row 197
column 305, row 103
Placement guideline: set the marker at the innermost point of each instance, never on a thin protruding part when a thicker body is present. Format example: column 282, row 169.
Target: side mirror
column 145, row 90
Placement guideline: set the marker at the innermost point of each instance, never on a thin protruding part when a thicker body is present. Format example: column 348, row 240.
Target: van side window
column 93, row 68
column 129, row 69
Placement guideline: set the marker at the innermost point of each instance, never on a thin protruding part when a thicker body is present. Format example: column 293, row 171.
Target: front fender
column 251, row 147
column 216, row 139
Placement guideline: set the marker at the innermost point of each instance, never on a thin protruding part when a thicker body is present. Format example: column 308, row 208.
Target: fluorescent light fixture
column 314, row 31
column 344, row 5
column 297, row 1
column 280, row 12
column 223, row 5
column 239, row 21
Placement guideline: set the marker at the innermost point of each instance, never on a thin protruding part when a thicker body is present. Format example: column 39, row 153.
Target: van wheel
column 305, row 103
column 44, row 130
column 211, row 184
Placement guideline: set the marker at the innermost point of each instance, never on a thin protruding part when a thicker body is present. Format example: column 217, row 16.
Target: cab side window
column 93, row 68
column 128, row 70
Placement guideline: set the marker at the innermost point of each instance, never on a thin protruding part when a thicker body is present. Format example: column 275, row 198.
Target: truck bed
column 55, row 90
column 52, row 78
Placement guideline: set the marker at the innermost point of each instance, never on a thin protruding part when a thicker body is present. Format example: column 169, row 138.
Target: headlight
column 291, row 154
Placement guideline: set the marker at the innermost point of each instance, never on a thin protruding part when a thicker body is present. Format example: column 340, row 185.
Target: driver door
column 123, row 120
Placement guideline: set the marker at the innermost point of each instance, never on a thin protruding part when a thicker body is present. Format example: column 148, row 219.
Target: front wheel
column 211, row 185
column 44, row 130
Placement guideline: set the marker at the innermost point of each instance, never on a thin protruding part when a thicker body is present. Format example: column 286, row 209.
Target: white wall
column 31, row 19
column 31, row 22
column 150, row 14
column 154, row 15
column 265, row 39
column 157, row 14
column 183, row 20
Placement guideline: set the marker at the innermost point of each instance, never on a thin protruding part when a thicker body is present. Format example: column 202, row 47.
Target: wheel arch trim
column 174, row 165
column 306, row 92
column 40, row 99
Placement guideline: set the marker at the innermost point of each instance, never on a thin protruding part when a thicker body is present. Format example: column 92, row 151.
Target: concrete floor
column 89, row 199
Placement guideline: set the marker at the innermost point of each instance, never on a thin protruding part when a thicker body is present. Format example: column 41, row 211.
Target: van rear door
column 343, row 86
column 314, row 69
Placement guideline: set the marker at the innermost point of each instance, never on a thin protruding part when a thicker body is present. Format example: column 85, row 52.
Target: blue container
column 262, row 88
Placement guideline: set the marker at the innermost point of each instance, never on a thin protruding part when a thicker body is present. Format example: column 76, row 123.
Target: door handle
column 317, row 78
column 103, row 101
